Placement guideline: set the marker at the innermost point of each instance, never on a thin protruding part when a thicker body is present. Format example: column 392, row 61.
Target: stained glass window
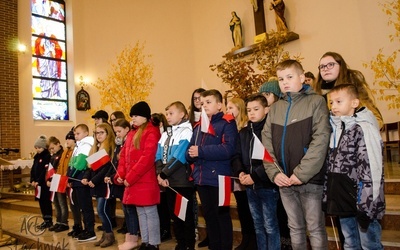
column 49, row 61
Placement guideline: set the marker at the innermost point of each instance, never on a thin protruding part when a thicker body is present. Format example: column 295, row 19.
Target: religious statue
column 279, row 7
column 255, row 5
column 236, row 29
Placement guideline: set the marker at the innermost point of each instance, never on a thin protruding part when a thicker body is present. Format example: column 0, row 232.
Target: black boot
column 123, row 229
column 245, row 242
column 76, row 230
column 204, row 243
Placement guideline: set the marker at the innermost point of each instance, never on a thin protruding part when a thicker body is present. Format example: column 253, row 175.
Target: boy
column 262, row 194
column 297, row 135
column 353, row 188
column 81, row 191
column 211, row 155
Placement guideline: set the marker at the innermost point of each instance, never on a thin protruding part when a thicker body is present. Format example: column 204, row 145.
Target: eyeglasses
column 196, row 98
column 100, row 133
column 327, row 66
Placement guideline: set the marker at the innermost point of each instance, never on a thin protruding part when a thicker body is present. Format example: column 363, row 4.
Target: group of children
column 322, row 161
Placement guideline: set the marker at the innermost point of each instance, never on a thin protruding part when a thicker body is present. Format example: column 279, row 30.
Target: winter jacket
column 78, row 164
column 354, row 177
column 136, row 166
column 55, row 158
column 242, row 162
column 97, row 177
column 117, row 191
column 64, row 161
column 296, row 135
column 175, row 169
column 38, row 172
column 215, row 151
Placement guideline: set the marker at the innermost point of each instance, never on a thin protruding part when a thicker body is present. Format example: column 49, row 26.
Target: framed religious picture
column 82, row 100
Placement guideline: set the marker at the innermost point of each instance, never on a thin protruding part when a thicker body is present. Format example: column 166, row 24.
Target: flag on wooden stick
column 224, row 188
column 50, row 171
column 259, row 151
column 98, row 159
column 205, row 124
column 38, row 191
column 59, row 183
column 180, row 206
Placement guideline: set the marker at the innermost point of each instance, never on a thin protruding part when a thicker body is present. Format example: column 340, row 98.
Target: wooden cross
column 259, row 18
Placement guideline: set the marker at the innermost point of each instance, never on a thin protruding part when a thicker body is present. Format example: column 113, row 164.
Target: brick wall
column 9, row 100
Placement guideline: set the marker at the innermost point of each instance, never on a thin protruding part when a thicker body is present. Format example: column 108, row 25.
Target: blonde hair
column 138, row 135
column 108, row 144
column 241, row 119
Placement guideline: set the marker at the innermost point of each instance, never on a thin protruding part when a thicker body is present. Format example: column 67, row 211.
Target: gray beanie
column 272, row 86
column 41, row 142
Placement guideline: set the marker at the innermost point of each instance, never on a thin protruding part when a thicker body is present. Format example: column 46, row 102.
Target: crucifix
column 259, row 16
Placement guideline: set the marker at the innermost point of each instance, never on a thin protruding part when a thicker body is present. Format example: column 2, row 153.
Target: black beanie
column 141, row 109
column 70, row 135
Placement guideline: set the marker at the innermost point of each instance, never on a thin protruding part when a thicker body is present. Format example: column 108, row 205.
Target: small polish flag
column 206, row 126
column 52, row 194
column 259, row 151
column 108, row 191
column 59, row 183
column 50, row 171
column 180, row 206
column 38, row 191
column 69, row 193
column 224, row 188
column 98, row 159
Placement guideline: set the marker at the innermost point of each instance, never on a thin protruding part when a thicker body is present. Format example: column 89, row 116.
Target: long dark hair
column 193, row 108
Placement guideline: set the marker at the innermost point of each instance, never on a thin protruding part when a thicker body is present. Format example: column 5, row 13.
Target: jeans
column 149, row 224
column 61, row 207
column 304, row 210
column 103, row 210
column 263, row 203
column 356, row 238
column 131, row 219
column 218, row 219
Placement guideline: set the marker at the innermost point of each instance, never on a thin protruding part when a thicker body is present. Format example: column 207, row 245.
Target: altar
column 18, row 172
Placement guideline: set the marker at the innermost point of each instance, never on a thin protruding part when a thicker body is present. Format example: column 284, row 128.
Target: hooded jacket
column 354, row 178
column 175, row 169
column 78, row 163
column 215, row 151
column 242, row 161
column 296, row 135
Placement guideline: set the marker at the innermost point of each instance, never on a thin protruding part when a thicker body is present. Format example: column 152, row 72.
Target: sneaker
column 76, row 230
column 45, row 225
column 122, row 230
column 61, row 228
column 87, row 236
column 54, row 227
column 77, row 235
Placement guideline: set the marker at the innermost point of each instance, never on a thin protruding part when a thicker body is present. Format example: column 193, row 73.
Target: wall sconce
column 82, row 97
column 21, row 48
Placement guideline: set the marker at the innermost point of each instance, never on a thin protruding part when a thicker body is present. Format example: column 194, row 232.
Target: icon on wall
column 82, row 100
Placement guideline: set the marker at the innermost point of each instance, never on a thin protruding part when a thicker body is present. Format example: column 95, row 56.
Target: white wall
column 186, row 37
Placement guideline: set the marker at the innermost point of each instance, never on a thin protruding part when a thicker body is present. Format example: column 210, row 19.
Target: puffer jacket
column 296, row 135
column 137, row 167
column 242, row 162
column 78, row 164
column 215, row 151
column 354, row 180
column 175, row 169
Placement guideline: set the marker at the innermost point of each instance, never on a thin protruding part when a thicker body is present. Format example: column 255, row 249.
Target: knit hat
column 272, row 86
column 41, row 142
column 101, row 114
column 70, row 135
column 141, row 109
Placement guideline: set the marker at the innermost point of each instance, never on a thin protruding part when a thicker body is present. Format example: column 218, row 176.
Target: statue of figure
column 279, row 7
column 255, row 5
column 236, row 29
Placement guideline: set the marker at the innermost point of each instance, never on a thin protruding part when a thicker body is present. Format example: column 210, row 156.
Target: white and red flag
column 50, row 171
column 205, row 123
column 69, row 193
column 52, row 194
column 108, row 191
column 180, row 206
column 224, row 188
column 38, row 191
column 259, row 151
column 98, row 159
column 59, row 183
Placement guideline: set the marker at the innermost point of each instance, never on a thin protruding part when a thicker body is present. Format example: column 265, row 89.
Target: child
column 174, row 171
column 271, row 90
column 81, row 192
column 136, row 170
column 354, row 180
column 60, row 199
column 39, row 168
column 261, row 192
column 237, row 108
column 95, row 179
column 296, row 135
column 211, row 155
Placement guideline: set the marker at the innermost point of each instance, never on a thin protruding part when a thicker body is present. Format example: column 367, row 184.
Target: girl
column 39, row 168
column 136, row 171
column 195, row 106
column 174, row 171
column 271, row 91
column 104, row 139
column 236, row 107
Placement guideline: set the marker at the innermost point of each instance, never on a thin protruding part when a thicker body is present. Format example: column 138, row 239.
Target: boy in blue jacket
column 211, row 155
